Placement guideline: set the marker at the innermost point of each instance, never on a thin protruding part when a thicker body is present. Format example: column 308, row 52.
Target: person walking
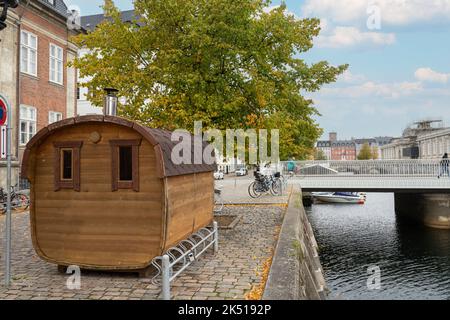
column 445, row 162
column 291, row 167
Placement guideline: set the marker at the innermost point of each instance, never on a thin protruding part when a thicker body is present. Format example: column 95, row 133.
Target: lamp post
column 7, row 119
column 5, row 4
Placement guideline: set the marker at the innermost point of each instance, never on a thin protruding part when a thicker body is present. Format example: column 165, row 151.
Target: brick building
column 343, row 150
column 335, row 149
column 34, row 50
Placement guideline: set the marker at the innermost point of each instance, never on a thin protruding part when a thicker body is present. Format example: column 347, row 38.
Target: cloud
column 373, row 89
column 429, row 75
column 349, row 77
column 287, row 12
column 341, row 37
column 396, row 13
column 270, row 8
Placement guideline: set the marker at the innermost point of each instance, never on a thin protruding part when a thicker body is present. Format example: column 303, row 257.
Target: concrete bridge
column 408, row 176
column 419, row 193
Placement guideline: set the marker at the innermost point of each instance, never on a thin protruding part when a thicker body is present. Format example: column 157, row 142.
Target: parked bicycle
column 265, row 184
column 19, row 200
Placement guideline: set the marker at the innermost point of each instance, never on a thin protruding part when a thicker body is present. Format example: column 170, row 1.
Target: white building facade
column 396, row 149
column 434, row 145
column 325, row 147
column 84, row 107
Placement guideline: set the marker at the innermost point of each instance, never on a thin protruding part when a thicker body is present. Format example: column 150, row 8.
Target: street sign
column 3, row 112
column 3, row 152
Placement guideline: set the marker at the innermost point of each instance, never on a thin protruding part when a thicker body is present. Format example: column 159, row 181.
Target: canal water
column 361, row 244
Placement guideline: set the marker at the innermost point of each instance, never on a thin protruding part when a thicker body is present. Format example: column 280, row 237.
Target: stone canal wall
column 296, row 272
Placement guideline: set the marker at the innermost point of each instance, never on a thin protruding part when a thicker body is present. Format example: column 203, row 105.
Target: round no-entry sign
column 3, row 112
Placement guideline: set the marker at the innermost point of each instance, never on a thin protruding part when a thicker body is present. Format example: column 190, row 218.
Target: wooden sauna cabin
column 105, row 194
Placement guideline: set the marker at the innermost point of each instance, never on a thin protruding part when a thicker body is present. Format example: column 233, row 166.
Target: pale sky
column 399, row 56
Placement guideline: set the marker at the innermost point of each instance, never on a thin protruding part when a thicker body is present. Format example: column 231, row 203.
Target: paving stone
column 229, row 274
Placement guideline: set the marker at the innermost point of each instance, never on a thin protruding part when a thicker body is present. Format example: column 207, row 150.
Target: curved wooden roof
column 160, row 139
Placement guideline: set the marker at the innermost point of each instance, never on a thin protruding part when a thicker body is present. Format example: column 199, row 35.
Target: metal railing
column 369, row 168
column 371, row 174
column 177, row 259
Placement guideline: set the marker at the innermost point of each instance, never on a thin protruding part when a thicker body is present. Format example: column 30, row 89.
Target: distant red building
column 343, row 150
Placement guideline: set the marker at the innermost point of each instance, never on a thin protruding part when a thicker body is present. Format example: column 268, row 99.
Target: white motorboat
column 340, row 197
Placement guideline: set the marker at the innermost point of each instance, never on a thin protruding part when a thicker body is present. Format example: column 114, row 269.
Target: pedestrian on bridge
column 291, row 167
column 445, row 162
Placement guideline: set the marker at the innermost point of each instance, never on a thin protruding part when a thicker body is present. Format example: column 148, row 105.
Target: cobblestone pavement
column 228, row 275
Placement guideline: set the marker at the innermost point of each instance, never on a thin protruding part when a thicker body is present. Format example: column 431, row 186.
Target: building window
column 56, row 64
column 67, row 165
column 27, row 124
column 28, row 53
column 125, row 164
column 54, row 117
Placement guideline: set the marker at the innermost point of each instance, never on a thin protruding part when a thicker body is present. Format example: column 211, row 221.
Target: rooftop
column 91, row 22
column 59, row 6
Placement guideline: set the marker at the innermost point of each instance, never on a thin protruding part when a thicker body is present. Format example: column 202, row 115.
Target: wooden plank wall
column 190, row 205
column 95, row 227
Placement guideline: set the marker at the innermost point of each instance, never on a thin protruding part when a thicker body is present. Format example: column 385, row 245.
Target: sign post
column 5, row 113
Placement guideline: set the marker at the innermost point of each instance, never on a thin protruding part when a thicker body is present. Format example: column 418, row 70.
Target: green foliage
column 319, row 155
column 227, row 63
column 368, row 153
column 375, row 153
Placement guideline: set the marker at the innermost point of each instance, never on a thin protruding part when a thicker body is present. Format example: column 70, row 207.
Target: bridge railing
column 366, row 168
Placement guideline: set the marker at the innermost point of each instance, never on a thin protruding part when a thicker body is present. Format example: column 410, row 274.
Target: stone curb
column 296, row 273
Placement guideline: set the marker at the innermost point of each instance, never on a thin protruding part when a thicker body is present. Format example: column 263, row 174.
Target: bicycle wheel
column 250, row 190
column 254, row 190
column 275, row 188
column 20, row 202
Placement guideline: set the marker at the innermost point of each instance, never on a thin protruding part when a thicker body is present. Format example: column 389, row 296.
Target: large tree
column 230, row 64
column 375, row 153
column 320, row 155
column 365, row 153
